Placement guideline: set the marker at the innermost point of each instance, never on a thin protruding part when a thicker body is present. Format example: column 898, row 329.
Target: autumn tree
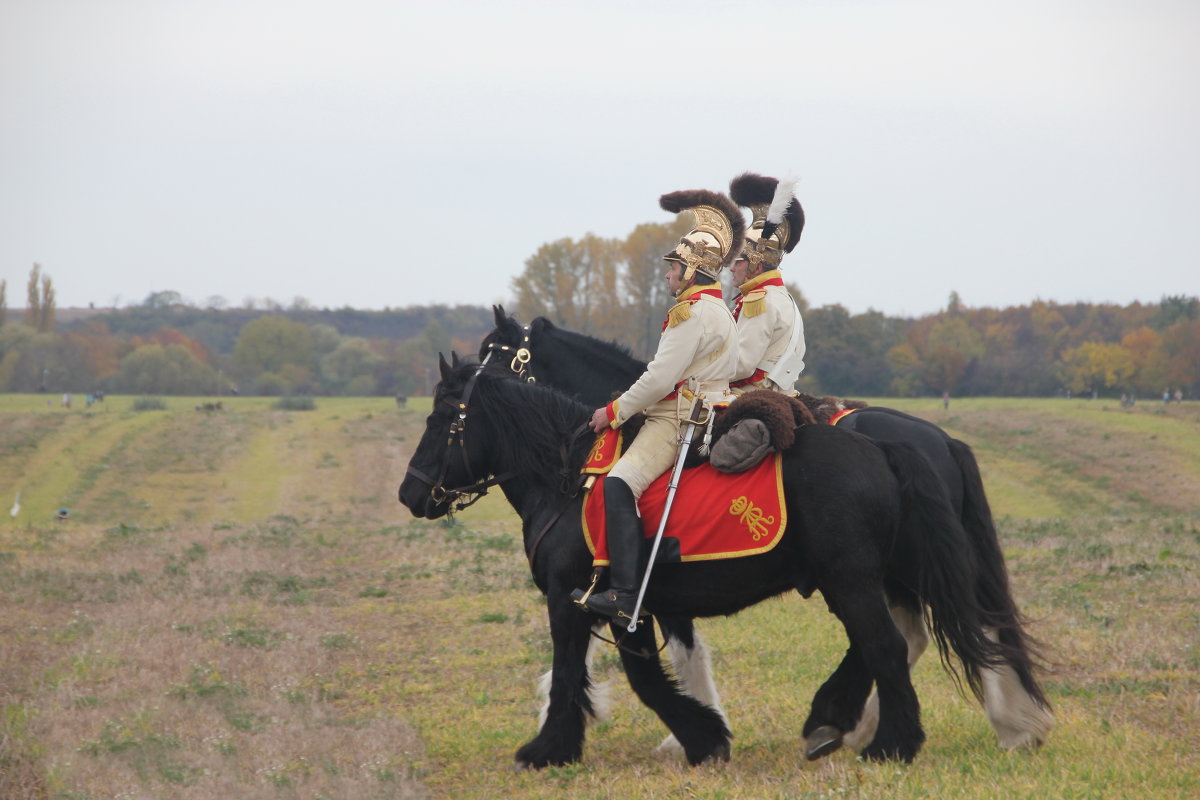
column 1175, row 308
column 33, row 303
column 46, row 321
column 1095, row 365
column 905, row 365
column 3, row 302
column 168, row 335
column 159, row 369
column 952, row 345
column 848, row 353
column 574, row 283
column 350, row 368
column 644, row 289
column 1145, row 349
column 1181, row 346
column 99, row 352
column 276, row 355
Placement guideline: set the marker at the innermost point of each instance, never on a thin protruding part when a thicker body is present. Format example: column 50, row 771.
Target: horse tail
column 933, row 556
column 992, row 593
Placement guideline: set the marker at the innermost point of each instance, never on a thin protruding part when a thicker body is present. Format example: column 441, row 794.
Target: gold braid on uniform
column 680, row 312
column 754, row 303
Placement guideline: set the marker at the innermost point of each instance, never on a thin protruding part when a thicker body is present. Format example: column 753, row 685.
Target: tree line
column 614, row 289
column 610, row 288
column 164, row 345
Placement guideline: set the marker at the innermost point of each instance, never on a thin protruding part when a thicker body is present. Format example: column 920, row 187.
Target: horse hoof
column 821, row 742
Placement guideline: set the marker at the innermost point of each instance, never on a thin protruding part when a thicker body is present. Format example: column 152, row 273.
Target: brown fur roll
column 823, row 408
column 780, row 413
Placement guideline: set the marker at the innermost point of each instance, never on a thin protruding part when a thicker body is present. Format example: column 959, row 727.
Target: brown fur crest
column 823, row 408
column 749, row 189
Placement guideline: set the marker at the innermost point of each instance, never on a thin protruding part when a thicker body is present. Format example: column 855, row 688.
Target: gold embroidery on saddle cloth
column 752, row 516
column 604, row 453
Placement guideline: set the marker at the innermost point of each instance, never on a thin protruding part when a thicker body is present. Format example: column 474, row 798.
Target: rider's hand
column 599, row 420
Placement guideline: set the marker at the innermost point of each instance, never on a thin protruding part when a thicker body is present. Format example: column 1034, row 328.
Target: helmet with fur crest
column 716, row 236
column 778, row 217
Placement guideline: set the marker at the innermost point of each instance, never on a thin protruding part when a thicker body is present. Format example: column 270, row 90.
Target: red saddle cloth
column 714, row 515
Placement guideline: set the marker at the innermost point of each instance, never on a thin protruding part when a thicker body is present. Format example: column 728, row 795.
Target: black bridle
column 571, row 480
column 458, row 434
column 521, row 355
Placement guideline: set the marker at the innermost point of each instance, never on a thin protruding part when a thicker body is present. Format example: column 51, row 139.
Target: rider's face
column 741, row 271
column 674, row 275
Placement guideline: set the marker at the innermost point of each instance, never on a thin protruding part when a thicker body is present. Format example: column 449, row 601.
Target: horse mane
column 611, row 351
column 531, row 423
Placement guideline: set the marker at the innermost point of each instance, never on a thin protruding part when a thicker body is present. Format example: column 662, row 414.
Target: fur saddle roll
column 747, row 430
column 756, row 424
column 823, row 408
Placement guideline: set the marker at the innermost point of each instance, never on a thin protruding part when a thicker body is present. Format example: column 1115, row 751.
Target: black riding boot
column 624, row 528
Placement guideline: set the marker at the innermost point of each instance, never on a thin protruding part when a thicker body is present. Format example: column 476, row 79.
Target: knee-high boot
column 624, row 528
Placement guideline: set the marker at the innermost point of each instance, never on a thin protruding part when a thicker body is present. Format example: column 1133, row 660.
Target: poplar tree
column 33, row 306
column 46, row 320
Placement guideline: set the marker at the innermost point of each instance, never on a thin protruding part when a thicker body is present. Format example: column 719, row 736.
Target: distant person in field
column 769, row 326
column 945, row 400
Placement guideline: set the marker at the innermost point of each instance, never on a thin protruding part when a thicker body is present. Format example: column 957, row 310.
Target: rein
column 571, row 483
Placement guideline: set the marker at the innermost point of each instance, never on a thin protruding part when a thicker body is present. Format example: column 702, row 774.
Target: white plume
column 782, row 199
column 16, row 509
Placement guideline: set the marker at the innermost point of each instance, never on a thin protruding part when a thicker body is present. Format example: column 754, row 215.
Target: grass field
column 237, row 607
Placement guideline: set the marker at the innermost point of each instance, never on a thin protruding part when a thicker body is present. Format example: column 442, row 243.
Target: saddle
column 730, row 503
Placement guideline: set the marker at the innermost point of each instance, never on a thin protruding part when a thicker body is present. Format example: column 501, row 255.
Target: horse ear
column 444, row 367
column 501, row 317
column 454, row 362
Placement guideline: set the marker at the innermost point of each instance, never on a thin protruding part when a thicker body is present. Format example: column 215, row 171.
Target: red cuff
column 611, row 410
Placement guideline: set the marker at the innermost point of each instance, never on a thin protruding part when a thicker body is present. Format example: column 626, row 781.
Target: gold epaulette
column 754, row 303
column 680, row 312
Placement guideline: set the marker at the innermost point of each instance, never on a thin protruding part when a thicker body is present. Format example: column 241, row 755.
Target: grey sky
column 379, row 154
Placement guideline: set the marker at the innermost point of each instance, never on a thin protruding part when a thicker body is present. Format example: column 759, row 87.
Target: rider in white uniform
column 697, row 353
column 770, row 328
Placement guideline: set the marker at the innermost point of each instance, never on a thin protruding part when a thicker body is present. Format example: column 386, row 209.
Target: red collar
column 737, row 306
column 693, row 295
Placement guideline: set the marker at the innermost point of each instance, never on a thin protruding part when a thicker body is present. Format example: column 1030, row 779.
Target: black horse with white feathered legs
column 868, row 525
column 591, row 370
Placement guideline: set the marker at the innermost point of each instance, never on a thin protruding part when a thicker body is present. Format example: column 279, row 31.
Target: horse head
column 451, row 460
column 511, row 344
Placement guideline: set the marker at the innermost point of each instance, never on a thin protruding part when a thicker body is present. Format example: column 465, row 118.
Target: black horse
column 868, row 523
column 592, row 370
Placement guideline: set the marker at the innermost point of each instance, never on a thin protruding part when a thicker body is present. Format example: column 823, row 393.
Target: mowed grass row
column 238, row 607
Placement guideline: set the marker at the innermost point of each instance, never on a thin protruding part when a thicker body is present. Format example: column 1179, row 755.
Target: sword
column 694, row 419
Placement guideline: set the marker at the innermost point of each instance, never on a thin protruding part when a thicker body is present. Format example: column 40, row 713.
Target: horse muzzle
column 419, row 498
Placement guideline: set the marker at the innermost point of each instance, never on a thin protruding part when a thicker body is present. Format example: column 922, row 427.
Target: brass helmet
column 778, row 218
column 716, row 239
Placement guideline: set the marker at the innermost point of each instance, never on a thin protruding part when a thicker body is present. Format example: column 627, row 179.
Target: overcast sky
column 378, row 154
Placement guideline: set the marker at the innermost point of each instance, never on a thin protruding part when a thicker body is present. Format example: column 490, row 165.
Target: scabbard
column 694, row 419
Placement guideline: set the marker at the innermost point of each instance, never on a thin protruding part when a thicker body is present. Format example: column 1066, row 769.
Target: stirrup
column 580, row 596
